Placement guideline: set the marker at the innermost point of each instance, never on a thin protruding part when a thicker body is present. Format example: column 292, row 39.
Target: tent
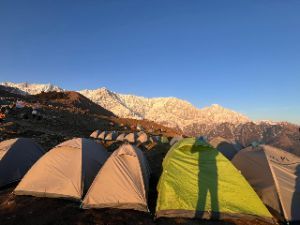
column 155, row 139
column 111, row 136
column 164, row 140
column 275, row 176
column 121, row 137
column 140, row 132
column 131, row 137
column 175, row 139
column 122, row 182
column 95, row 134
column 228, row 148
column 16, row 157
column 142, row 137
column 199, row 182
column 102, row 135
column 66, row 171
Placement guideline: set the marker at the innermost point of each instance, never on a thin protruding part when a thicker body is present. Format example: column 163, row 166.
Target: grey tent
column 102, row 135
column 131, row 137
column 140, row 132
column 16, row 157
column 155, row 139
column 228, row 148
column 95, row 134
column 275, row 176
column 66, row 171
column 142, row 137
column 111, row 136
column 122, row 182
column 121, row 137
column 175, row 139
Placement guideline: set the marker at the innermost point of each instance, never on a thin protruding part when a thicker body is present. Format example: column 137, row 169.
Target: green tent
column 199, row 182
column 164, row 140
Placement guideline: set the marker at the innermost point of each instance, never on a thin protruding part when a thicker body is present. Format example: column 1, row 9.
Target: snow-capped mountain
column 32, row 89
column 212, row 121
column 169, row 111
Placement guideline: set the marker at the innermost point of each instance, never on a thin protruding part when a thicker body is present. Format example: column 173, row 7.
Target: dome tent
column 131, row 137
column 66, row 171
column 95, row 134
column 121, row 137
column 102, row 135
column 206, row 183
column 16, row 157
column 122, row 182
column 164, row 140
column 279, row 185
column 142, row 137
column 111, row 136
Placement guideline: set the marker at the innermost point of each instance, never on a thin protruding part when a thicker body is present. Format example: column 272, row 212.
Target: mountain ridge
column 169, row 111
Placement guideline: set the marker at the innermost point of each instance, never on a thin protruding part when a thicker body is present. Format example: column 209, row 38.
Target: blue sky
column 244, row 55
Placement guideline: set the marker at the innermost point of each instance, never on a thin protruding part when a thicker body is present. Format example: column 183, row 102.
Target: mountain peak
column 169, row 111
column 32, row 89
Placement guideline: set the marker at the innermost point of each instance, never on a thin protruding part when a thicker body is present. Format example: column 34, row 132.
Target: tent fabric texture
column 16, row 157
column 121, row 137
column 122, row 182
column 95, row 134
column 131, row 137
column 279, row 184
column 226, row 147
column 111, row 136
column 199, row 182
column 66, row 171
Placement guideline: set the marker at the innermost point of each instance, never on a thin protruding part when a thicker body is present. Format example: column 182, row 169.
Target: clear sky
column 244, row 55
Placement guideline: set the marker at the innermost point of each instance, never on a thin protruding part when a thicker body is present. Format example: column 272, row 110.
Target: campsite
column 65, row 185
column 126, row 112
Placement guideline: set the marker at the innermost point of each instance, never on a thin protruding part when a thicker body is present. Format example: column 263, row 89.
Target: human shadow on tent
column 295, row 210
column 207, row 183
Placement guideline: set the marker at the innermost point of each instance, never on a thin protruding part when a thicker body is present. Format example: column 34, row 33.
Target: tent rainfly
column 95, row 134
column 131, row 137
column 121, row 137
column 111, row 136
column 16, row 157
column 226, row 147
column 122, row 182
column 279, row 184
column 198, row 181
column 142, row 138
column 66, row 171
